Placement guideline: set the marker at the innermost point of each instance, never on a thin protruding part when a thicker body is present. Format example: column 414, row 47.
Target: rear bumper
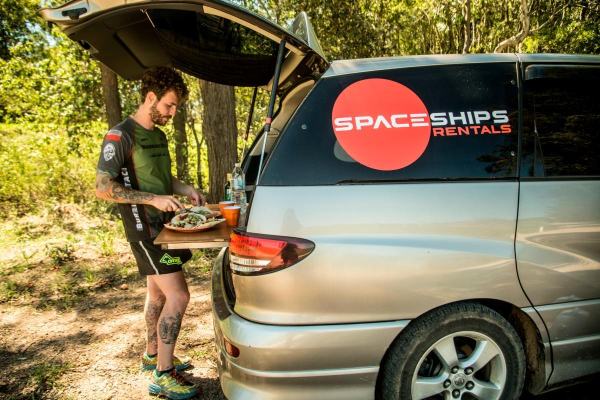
column 297, row 362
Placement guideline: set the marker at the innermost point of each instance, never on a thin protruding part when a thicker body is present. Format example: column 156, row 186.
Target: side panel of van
column 558, row 234
column 383, row 252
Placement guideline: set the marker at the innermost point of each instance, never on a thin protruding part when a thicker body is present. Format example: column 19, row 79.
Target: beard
column 157, row 117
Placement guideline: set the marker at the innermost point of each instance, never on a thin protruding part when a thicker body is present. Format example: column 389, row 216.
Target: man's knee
column 180, row 298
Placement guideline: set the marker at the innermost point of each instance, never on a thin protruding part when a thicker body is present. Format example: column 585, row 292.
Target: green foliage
column 565, row 27
column 46, row 376
column 17, row 18
column 105, row 238
column 52, row 87
column 13, row 289
column 61, row 254
column 36, row 168
column 50, row 82
column 129, row 92
column 375, row 28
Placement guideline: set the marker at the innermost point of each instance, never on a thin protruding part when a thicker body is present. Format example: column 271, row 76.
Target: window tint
column 567, row 117
column 471, row 119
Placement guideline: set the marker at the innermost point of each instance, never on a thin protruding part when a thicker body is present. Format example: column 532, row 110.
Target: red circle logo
column 381, row 124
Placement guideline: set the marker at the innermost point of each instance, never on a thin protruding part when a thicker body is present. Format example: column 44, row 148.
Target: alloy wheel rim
column 462, row 365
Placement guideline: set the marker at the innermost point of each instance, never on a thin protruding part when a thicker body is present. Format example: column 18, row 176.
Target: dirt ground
column 95, row 348
column 71, row 312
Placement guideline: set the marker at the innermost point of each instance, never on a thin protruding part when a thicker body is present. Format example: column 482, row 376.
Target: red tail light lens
column 256, row 254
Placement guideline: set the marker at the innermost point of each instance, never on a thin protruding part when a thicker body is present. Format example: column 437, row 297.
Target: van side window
column 461, row 119
column 567, row 125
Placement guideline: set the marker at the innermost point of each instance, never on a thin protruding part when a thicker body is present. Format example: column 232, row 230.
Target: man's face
column 164, row 109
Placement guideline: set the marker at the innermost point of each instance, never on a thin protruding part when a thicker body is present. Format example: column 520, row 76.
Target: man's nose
column 173, row 111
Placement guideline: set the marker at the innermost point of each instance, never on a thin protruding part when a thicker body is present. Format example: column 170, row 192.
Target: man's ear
column 150, row 98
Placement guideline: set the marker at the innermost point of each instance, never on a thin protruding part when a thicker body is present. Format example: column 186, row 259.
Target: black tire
column 464, row 327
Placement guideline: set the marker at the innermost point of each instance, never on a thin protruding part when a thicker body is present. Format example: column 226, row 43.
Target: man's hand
column 166, row 203
column 184, row 189
column 196, row 197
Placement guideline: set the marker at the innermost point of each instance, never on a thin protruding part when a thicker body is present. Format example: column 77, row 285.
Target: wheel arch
column 531, row 338
column 526, row 329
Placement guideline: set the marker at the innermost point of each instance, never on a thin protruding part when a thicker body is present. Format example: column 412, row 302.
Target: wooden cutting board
column 214, row 237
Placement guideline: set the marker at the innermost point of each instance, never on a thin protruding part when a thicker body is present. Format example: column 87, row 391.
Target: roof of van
column 376, row 64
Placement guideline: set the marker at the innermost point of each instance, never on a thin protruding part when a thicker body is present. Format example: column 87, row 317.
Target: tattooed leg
column 177, row 296
column 169, row 327
column 155, row 300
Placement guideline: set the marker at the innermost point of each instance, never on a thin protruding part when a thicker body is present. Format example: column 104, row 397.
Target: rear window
column 441, row 122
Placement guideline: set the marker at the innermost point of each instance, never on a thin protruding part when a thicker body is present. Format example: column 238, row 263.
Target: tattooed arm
column 109, row 189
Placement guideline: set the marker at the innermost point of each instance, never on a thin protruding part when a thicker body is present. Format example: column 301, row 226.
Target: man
column 134, row 170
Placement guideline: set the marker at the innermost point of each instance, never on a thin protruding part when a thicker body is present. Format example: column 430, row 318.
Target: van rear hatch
column 212, row 40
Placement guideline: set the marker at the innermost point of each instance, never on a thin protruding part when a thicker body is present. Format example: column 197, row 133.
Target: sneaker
column 172, row 385
column 150, row 363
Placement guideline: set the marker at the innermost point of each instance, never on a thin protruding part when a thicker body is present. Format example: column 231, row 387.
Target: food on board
column 201, row 210
column 188, row 220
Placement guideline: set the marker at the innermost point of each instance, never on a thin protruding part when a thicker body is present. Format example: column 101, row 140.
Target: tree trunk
column 519, row 37
column 199, row 144
column 450, row 24
column 181, row 144
column 220, row 130
column 467, row 16
column 110, row 92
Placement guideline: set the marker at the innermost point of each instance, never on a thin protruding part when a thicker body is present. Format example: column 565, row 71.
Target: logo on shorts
column 109, row 151
column 167, row 259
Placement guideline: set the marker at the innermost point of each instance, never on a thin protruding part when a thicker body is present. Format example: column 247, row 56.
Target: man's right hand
column 166, row 203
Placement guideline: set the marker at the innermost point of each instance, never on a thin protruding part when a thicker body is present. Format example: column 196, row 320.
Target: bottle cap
column 237, row 164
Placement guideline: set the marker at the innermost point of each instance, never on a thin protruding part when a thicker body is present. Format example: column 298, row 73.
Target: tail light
column 232, row 350
column 256, row 254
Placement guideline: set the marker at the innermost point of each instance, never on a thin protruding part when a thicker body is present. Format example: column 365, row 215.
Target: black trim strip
column 560, row 178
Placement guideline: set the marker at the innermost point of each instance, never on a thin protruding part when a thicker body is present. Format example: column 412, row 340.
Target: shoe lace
column 179, row 378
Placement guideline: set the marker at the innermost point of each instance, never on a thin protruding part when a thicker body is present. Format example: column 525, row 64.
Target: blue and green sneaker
column 172, row 385
column 179, row 362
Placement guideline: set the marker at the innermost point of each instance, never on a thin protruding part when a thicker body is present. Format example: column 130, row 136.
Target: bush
column 38, row 167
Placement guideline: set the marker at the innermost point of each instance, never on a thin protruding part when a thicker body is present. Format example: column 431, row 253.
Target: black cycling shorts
column 153, row 260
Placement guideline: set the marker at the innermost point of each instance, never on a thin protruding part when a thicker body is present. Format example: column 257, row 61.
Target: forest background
column 63, row 256
column 56, row 102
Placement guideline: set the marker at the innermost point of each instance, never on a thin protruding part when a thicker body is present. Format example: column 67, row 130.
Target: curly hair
column 160, row 80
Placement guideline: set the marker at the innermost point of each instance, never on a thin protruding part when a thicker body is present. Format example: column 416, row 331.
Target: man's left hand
column 196, row 197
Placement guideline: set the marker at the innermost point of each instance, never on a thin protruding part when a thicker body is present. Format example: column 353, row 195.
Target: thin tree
column 110, row 93
column 467, row 26
column 181, row 144
column 517, row 39
column 199, row 144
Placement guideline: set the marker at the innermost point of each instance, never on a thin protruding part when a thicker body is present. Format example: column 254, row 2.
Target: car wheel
column 458, row 351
